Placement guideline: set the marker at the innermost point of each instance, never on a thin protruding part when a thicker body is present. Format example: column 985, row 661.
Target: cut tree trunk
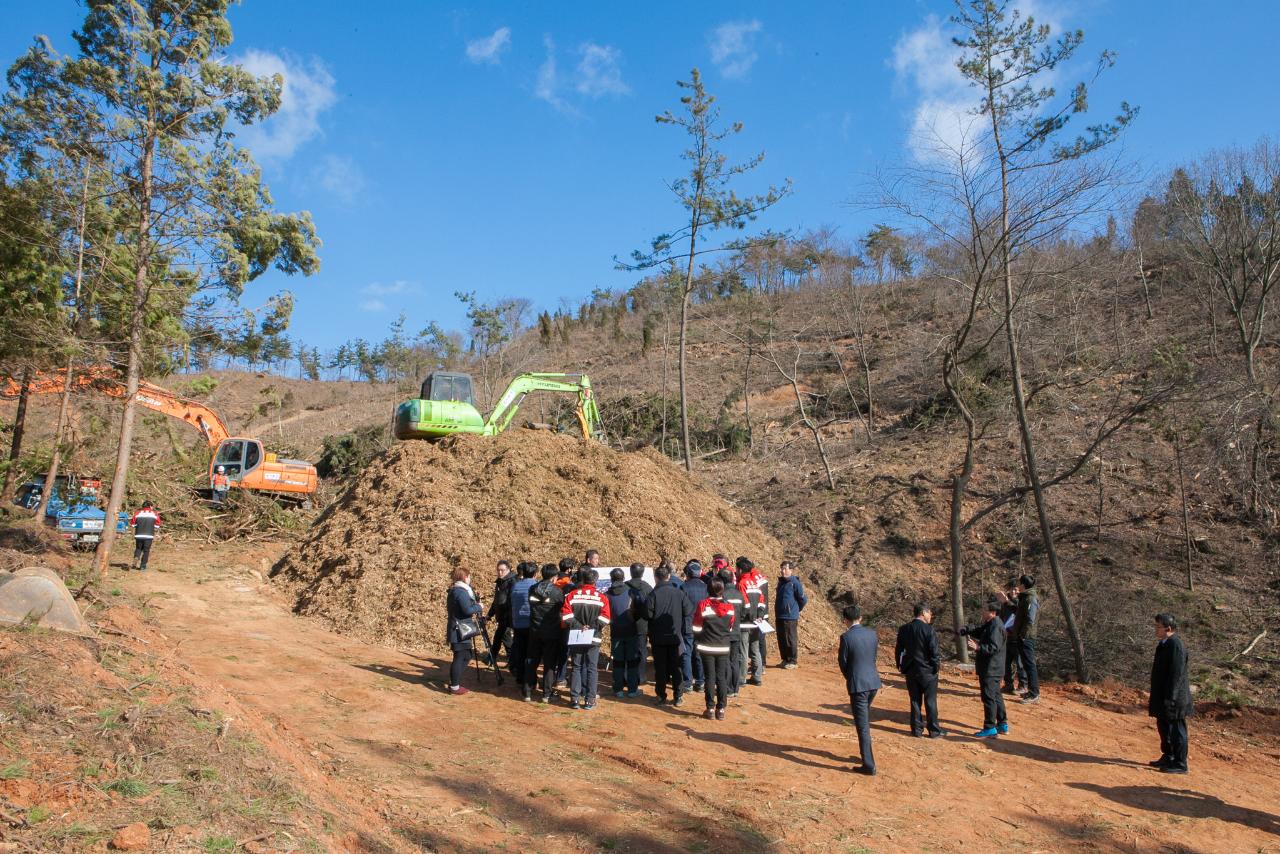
column 15, row 444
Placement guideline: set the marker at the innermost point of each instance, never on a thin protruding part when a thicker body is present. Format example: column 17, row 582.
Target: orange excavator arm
column 105, row 380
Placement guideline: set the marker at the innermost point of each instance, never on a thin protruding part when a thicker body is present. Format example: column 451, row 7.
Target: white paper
column 764, row 627
column 581, row 637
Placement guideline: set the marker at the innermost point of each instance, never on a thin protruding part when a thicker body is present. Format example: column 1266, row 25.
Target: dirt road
column 488, row 772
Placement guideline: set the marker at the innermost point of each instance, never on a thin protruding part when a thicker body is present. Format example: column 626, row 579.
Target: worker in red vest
column 220, row 485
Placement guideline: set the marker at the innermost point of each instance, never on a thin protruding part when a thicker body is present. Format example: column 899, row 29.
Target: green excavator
column 447, row 407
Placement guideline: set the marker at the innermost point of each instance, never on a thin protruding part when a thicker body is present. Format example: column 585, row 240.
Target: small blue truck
column 73, row 509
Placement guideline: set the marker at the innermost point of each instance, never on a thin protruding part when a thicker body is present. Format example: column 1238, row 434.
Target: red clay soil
column 376, row 564
column 487, row 772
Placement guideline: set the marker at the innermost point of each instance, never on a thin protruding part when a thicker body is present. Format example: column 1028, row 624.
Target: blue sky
column 510, row 148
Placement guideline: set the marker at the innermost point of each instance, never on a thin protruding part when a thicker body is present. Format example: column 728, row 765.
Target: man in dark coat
column 642, row 590
column 1025, row 623
column 545, row 634
column 1170, row 702
column 918, row 657
column 500, row 607
column 695, row 590
column 788, row 602
column 624, row 649
column 988, row 641
column 857, row 659
column 667, row 610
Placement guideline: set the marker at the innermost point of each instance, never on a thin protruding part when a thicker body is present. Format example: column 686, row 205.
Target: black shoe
column 754, row 681
column 870, row 772
column 591, row 704
column 1173, row 769
column 660, row 701
column 527, row 696
column 709, row 714
column 575, row 704
column 686, row 687
column 939, row 734
column 719, row 714
column 697, row 686
column 679, row 700
column 1158, row 763
column 917, row 735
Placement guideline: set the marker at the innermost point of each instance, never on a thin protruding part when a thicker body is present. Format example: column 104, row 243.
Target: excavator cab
column 446, row 407
column 238, row 457
column 443, row 387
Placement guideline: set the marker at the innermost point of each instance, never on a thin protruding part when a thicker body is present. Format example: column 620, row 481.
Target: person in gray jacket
column 857, row 660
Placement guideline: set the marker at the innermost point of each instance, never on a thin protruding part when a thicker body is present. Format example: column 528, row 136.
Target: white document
column 581, row 637
column 764, row 627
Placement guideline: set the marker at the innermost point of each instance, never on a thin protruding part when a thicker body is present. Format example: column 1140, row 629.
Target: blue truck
column 73, row 509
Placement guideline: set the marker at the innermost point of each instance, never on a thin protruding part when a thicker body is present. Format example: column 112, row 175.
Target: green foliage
column 218, row 845
column 198, row 387
column 346, row 455
column 127, row 787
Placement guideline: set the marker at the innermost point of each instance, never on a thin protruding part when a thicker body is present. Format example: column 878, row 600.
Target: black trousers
column 861, row 703
column 666, row 669
column 142, row 550
column 788, row 640
column 992, row 702
column 735, row 665
column 715, row 675
column 1012, row 669
column 544, row 651
column 922, row 688
column 517, row 653
column 461, row 658
column 1173, row 741
column 1027, row 664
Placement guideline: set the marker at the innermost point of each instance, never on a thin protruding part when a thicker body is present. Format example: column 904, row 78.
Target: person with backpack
column 788, row 602
column 585, row 610
column 460, row 628
column 526, row 570
column 146, row 524
column 712, row 622
column 695, row 590
column 545, row 634
column 667, row 609
column 624, row 648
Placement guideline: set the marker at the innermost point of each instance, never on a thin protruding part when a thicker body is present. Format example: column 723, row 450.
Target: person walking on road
column 146, row 524
column 584, row 611
column 789, row 600
column 667, row 610
column 712, row 620
column 918, row 657
column 545, row 601
column 624, row 649
column 695, row 590
column 988, row 641
column 857, row 659
column 462, row 606
column 516, row 659
column 1170, row 702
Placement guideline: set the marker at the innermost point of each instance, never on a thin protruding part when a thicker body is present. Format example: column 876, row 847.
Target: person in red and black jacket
column 585, row 608
column 712, row 624
column 755, row 590
column 145, row 523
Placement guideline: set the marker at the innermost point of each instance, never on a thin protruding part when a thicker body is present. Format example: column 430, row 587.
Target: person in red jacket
column 145, row 523
column 712, row 622
column 755, row 590
column 585, row 610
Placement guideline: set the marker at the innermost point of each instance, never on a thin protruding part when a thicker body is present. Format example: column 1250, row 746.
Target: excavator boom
column 446, row 406
column 505, row 409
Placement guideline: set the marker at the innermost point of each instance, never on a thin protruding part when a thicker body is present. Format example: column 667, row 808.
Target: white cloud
column 400, row 286
column 373, row 306
column 733, row 46
column 547, row 86
column 307, row 92
column 341, row 176
column 489, row 50
column 599, row 71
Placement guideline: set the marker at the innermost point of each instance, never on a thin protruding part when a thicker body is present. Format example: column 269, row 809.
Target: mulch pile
column 377, row 563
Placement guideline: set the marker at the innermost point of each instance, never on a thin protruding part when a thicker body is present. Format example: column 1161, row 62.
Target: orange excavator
column 243, row 459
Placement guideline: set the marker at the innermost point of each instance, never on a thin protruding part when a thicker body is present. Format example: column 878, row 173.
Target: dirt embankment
column 377, row 563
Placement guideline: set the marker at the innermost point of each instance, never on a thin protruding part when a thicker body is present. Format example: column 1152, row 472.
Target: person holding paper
column 585, row 613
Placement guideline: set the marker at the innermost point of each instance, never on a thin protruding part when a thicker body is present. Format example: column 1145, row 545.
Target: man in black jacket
column 667, row 611
column 1170, row 702
column 642, row 591
column 988, row 641
column 545, row 633
column 734, row 597
column 918, row 657
column 857, row 660
column 500, row 607
column 695, row 590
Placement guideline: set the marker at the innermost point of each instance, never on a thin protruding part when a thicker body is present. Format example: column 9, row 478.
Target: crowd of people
column 707, row 631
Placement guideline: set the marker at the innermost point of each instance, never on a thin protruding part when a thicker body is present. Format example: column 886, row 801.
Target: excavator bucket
column 37, row 594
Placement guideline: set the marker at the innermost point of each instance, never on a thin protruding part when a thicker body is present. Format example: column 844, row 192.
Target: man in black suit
column 918, row 658
column 1170, row 702
column 988, row 641
column 858, row 664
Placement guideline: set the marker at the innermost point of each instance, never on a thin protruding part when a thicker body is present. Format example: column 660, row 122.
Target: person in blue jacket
column 461, row 604
column 520, row 618
column 788, row 601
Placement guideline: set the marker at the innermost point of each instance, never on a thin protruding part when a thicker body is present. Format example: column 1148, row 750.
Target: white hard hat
column 220, row 468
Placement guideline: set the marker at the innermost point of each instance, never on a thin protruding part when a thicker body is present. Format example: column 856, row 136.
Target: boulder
column 37, row 593
column 133, row 837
